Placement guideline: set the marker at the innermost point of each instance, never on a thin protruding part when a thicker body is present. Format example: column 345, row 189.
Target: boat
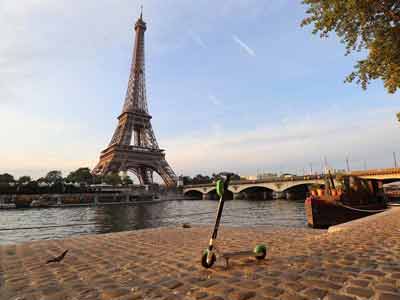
column 23, row 201
column 392, row 192
column 355, row 198
column 40, row 203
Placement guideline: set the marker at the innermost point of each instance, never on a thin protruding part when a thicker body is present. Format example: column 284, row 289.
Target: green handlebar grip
column 220, row 187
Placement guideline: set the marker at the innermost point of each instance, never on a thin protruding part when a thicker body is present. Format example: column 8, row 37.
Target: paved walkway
column 360, row 262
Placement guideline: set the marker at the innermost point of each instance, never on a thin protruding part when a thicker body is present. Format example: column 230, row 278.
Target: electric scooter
column 209, row 255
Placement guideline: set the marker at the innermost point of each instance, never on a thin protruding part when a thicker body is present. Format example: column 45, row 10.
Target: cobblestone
column 361, row 292
column 339, row 297
column 389, row 296
column 362, row 262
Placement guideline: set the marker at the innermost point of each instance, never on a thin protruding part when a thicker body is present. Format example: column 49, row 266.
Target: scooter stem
column 219, row 214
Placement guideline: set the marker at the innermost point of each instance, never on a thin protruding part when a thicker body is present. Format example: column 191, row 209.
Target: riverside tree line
column 78, row 181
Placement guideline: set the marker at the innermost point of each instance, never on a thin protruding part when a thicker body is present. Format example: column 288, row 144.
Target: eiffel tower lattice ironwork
column 133, row 146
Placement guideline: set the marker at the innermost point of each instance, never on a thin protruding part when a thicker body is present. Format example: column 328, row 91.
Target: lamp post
column 347, row 164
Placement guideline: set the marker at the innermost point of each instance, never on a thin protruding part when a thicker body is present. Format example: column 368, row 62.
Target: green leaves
column 81, row 175
column 6, row 178
column 372, row 25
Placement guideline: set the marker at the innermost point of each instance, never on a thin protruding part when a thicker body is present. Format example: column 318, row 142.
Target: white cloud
column 244, row 46
column 197, row 39
column 34, row 145
column 214, row 100
column 291, row 146
column 47, row 46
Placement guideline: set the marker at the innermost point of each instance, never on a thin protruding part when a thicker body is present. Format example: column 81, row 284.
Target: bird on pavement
column 58, row 258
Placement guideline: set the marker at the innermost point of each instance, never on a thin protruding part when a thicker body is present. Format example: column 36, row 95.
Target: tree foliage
column 82, row 175
column 372, row 25
column 54, row 177
column 24, row 180
column 126, row 180
column 204, row 179
column 112, row 178
column 6, row 178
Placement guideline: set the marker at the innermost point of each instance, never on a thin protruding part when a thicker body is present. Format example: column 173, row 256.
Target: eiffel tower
column 133, row 146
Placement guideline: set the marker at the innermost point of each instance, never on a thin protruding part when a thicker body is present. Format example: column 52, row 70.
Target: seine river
column 21, row 225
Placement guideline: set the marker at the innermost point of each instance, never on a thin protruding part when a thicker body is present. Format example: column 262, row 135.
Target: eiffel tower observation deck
column 134, row 147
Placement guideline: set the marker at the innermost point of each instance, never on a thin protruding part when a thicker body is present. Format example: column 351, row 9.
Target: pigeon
column 58, row 258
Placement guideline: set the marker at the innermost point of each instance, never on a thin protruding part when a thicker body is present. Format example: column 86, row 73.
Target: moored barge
column 356, row 198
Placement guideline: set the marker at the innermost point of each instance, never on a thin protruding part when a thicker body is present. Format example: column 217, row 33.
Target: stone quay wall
column 361, row 261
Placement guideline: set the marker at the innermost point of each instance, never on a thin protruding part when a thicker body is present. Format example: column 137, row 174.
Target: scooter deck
column 238, row 254
column 228, row 255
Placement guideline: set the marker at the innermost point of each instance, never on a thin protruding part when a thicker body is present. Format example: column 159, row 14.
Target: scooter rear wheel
column 260, row 251
column 208, row 264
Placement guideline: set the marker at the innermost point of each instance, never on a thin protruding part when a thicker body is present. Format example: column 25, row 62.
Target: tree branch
column 388, row 12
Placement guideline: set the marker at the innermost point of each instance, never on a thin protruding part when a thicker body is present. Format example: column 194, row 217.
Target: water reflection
column 114, row 218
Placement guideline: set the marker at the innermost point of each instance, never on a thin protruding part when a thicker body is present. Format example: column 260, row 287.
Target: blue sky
column 232, row 85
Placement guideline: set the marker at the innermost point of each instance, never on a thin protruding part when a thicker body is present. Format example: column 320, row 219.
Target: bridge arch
column 193, row 190
column 299, row 191
column 255, row 193
column 240, row 188
column 194, row 194
column 148, row 173
column 212, row 195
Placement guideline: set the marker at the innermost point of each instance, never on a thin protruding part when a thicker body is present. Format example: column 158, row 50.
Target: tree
column 204, row 179
column 97, row 179
column 112, row 178
column 187, row 180
column 53, row 177
column 24, row 179
column 126, row 180
column 29, row 187
column 200, row 179
column 371, row 25
column 215, row 177
column 82, row 175
column 6, row 178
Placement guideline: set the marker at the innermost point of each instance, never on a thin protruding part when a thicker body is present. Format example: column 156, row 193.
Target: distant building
column 287, row 175
column 180, row 181
column 251, row 177
column 264, row 176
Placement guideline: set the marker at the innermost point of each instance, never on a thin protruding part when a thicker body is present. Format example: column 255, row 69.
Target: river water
column 20, row 225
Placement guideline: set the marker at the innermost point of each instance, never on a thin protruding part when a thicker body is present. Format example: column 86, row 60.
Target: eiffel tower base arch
column 141, row 161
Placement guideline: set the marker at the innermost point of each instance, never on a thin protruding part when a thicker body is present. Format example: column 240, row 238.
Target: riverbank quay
column 77, row 203
column 359, row 262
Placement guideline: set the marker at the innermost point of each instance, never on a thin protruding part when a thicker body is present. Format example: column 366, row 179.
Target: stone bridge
column 265, row 187
column 384, row 175
column 284, row 187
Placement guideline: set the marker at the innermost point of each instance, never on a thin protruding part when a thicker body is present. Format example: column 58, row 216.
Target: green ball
column 260, row 251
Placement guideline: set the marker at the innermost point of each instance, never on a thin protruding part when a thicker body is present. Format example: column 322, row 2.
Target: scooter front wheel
column 208, row 259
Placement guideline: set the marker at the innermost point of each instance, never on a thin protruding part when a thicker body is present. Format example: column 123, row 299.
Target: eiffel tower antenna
column 141, row 11
column 133, row 146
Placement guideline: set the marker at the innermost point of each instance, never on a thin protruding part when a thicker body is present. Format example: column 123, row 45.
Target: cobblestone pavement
column 362, row 262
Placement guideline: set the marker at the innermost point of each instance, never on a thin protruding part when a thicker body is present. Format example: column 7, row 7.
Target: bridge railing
column 372, row 172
